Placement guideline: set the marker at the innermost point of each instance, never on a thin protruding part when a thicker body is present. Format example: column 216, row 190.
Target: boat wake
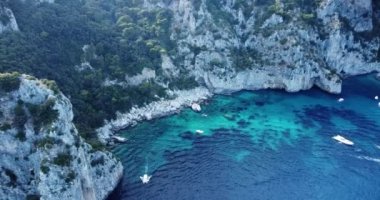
column 145, row 178
column 377, row 160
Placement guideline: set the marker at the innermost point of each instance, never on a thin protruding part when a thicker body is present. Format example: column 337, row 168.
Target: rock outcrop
column 41, row 154
column 178, row 100
column 7, row 20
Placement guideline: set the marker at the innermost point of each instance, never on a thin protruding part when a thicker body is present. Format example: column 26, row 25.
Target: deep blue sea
column 265, row 144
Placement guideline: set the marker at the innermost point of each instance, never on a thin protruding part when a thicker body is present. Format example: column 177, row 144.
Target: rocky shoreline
column 186, row 98
column 290, row 54
column 164, row 107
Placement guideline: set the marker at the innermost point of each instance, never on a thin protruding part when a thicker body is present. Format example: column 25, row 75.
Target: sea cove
column 260, row 145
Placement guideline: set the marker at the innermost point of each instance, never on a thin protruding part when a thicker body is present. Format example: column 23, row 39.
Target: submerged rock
column 41, row 152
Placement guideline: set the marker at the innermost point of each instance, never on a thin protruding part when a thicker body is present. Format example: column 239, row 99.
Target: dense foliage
column 43, row 114
column 9, row 81
column 119, row 38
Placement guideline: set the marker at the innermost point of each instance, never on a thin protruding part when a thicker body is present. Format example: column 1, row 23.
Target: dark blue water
column 260, row 145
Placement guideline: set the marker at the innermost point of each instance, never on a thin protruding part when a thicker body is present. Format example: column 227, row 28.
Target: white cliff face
column 145, row 75
column 50, row 161
column 291, row 53
column 8, row 21
column 358, row 13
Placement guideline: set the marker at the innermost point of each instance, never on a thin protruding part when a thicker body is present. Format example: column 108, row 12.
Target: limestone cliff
column 231, row 45
column 7, row 20
column 41, row 154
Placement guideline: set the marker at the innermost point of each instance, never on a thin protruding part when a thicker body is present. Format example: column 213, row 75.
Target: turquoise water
column 260, row 145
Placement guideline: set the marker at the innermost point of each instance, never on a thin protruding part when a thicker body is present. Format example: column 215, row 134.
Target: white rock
column 11, row 25
column 272, row 21
column 145, row 75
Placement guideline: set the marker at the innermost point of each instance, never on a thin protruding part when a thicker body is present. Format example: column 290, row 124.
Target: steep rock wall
column 48, row 159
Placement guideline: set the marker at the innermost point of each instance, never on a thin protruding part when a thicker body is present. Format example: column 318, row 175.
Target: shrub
column 33, row 197
column 21, row 136
column 52, row 85
column 9, row 81
column 20, row 115
column 45, row 169
column 183, row 83
column 96, row 145
column 4, row 19
column 308, row 17
column 276, row 8
column 46, row 142
column 43, row 114
column 70, row 177
column 5, row 127
column 220, row 16
column 98, row 161
column 63, row 159
column 12, row 177
column 283, row 41
column 244, row 58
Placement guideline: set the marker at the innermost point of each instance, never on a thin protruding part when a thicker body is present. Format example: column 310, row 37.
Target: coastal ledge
column 164, row 107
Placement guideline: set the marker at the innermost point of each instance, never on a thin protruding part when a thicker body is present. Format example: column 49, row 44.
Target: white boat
column 343, row 140
column 376, row 97
column 145, row 179
column 119, row 139
column 196, row 107
column 199, row 131
column 340, row 100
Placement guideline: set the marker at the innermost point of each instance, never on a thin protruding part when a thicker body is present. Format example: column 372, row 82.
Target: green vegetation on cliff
column 122, row 39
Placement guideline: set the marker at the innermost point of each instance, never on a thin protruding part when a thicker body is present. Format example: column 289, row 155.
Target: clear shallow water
column 260, row 145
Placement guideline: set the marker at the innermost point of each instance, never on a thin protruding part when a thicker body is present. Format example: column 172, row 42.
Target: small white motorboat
column 340, row 100
column 196, row 107
column 343, row 140
column 376, row 97
column 145, row 179
column 119, row 139
column 199, row 131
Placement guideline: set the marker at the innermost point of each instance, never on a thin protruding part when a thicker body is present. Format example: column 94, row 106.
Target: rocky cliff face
column 231, row 45
column 7, row 20
column 41, row 153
